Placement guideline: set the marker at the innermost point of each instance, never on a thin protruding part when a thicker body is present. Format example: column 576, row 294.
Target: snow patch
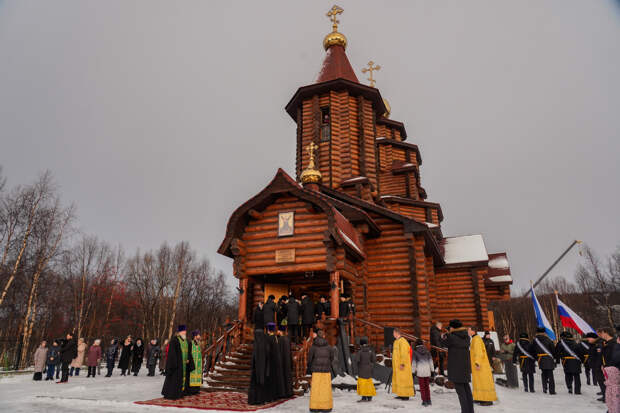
column 501, row 278
column 499, row 263
column 468, row 248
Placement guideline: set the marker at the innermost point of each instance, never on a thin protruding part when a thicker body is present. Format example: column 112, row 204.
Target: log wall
column 390, row 296
column 261, row 239
column 455, row 297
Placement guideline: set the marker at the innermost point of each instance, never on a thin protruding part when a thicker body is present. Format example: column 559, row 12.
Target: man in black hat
column 527, row 362
column 571, row 356
column 293, row 307
column 179, row 364
column 542, row 349
column 459, row 364
column 307, row 314
column 595, row 359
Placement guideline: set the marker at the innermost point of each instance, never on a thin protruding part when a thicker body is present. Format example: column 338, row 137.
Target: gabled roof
column 336, row 65
column 339, row 215
column 410, row 225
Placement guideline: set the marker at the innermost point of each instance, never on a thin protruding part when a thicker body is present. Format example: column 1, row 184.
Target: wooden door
column 278, row 290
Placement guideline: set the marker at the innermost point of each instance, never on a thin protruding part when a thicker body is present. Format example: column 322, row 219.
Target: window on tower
column 325, row 125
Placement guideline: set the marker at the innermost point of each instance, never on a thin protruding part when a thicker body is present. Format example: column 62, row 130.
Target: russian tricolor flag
column 541, row 318
column 571, row 319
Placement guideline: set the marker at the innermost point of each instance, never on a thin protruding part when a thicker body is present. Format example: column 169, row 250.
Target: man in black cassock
column 287, row 361
column 274, row 384
column 256, row 392
column 179, row 363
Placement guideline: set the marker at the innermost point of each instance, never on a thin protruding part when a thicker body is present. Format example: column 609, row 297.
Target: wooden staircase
column 232, row 370
column 231, row 373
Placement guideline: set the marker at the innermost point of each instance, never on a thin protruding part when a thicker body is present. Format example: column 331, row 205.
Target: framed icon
column 286, row 224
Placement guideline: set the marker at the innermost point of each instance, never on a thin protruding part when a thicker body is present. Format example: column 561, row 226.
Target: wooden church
column 355, row 217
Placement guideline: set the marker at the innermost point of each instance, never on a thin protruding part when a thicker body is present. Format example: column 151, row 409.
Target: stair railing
column 219, row 350
column 300, row 362
column 407, row 335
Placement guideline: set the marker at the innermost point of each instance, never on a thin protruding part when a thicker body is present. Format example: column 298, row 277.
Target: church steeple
column 336, row 64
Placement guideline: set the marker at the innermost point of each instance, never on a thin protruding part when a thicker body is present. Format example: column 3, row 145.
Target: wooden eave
column 382, row 140
column 356, row 89
column 282, row 183
column 409, row 225
column 414, row 202
column 393, row 124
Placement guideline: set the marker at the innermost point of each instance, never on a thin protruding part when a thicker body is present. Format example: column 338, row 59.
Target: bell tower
column 338, row 114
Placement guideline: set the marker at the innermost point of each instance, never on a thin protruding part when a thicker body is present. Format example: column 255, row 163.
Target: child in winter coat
column 94, row 355
column 364, row 359
column 612, row 392
column 53, row 358
column 422, row 367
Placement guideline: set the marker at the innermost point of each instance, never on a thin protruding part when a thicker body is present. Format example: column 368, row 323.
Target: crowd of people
column 66, row 358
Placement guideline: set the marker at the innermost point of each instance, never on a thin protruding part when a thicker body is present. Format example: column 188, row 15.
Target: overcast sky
column 159, row 118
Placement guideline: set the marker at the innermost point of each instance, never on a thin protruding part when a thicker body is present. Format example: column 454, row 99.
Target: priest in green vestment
column 195, row 376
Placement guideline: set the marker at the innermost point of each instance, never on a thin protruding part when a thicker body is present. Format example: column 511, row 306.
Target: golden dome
column 334, row 38
column 311, row 176
column 388, row 109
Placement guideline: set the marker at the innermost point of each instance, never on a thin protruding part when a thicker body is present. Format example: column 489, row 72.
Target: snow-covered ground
column 117, row 394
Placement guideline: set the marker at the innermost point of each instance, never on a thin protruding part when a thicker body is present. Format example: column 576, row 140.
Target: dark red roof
column 336, row 66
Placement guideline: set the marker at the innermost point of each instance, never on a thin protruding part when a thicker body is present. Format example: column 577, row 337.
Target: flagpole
column 575, row 242
column 555, row 311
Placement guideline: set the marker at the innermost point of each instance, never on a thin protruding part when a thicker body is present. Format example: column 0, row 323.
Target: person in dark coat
column 595, row 359
column 137, row 356
column 526, row 361
column 68, row 351
column 608, row 344
column 489, row 346
column 344, row 309
column 110, row 356
column 542, row 348
column 307, row 314
column 362, row 363
column 570, row 354
column 287, row 361
column 258, row 318
column 258, row 376
column 179, row 363
column 274, row 386
column 437, row 340
column 153, row 355
column 292, row 318
column 123, row 361
column 586, row 362
column 281, row 310
column 269, row 310
column 323, row 308
column 53, row 355
column 459, row 364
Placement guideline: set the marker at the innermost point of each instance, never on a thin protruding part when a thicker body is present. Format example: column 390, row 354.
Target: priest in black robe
column 287, row 361
column 274, row 385
column 257, row 393
column 179, row 364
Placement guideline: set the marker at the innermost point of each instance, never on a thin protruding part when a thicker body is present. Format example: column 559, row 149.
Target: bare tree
column 599, row 280
column 182, row 258
column 21, row 211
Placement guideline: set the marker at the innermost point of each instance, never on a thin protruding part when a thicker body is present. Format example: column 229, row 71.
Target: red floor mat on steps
column 213, row 401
